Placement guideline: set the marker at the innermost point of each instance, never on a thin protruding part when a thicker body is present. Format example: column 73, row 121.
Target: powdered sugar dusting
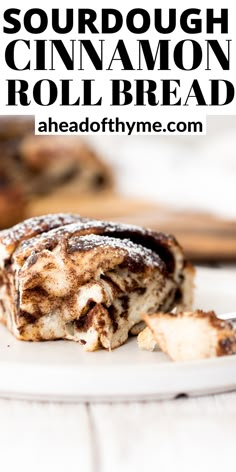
column 47, row 232
column 87, row 226
column 33, row 226
column 136, row 252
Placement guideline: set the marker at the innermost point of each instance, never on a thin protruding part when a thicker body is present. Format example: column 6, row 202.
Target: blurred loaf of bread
column 32, row 166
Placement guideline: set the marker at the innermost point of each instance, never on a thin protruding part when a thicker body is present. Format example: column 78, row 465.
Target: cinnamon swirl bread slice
column 66, row 277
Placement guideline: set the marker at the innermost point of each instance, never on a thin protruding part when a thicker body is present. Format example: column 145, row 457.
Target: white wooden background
column 191, row 435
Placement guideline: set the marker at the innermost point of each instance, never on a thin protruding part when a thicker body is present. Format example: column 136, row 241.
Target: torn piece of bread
column 66, row 277
column 146, row 340
column 188, row 335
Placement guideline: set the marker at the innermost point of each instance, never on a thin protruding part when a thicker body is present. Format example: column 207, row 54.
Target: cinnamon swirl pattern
column 67, row 277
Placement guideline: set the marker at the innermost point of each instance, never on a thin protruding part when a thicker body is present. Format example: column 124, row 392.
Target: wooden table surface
column 185, row 435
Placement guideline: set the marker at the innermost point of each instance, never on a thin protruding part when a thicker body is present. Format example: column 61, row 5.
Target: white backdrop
column 183, row 171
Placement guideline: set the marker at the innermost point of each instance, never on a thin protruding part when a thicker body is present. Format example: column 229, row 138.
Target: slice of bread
column 188, row 335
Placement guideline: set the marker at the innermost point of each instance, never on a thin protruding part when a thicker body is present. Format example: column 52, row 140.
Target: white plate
column 60, row 370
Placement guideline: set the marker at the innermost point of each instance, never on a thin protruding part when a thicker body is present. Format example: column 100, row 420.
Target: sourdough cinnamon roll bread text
column 63, row 276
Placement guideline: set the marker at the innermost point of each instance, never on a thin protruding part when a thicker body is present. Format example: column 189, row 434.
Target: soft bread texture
column 146, row 340
column 67, row 277
column 188, row 335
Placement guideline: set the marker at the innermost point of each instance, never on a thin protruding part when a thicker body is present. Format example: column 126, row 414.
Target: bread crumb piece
column 189, row 335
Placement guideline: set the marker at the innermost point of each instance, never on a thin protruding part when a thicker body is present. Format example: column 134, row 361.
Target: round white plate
column 60, row 370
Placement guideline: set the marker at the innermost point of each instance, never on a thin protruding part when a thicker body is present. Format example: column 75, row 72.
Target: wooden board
column 204, row 237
